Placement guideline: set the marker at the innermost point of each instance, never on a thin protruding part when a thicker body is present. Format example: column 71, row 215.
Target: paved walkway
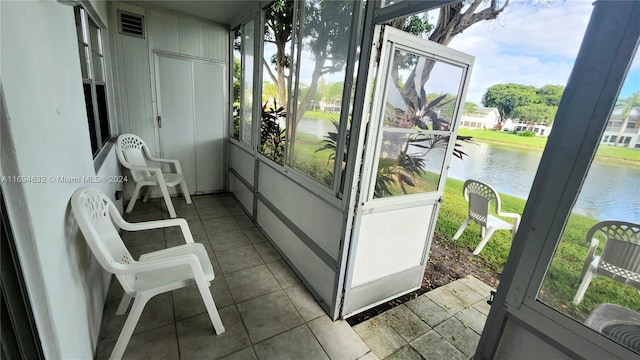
column 444, row 323
column 268, row 313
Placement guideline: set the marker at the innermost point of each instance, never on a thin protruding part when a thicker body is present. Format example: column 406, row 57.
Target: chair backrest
column 130, row 150
column 93, row 211
column 622, row 248
column 480, row 195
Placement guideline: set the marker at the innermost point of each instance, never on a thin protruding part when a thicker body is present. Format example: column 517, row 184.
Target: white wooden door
column 191, row 118
column 419, row 89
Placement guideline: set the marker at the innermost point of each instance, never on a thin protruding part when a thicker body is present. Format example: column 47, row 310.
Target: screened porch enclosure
column 339, row 145
column 333, row 130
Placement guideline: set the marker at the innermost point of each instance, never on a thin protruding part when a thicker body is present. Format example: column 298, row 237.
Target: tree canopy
column 525, row 102
column 470, row 106
column 535, row 113
column 507, row 97
column 551, row 94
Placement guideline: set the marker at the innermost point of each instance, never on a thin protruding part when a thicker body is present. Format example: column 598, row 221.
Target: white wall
column 46, row 134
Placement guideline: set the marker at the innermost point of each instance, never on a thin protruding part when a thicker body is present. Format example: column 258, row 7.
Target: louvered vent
column 131, row 24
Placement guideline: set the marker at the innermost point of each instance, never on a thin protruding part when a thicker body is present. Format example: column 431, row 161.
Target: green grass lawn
column 321, row 115
column 627, row 156
column 315, row 164
column 562, row 279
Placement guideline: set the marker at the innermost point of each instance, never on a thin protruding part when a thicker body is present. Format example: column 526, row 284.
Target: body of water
column 318, row 128
column 610, row 192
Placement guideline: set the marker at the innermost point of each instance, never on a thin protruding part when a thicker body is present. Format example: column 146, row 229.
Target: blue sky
column 530, row 44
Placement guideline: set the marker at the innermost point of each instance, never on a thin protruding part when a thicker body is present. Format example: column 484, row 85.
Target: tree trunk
column 625, row 122
column 281, row 83
column 313, row 87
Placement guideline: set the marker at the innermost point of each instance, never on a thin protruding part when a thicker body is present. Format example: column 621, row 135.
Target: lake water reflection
column 610, row 192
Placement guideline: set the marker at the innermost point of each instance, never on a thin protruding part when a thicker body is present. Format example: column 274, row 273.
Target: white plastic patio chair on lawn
column 619, row 260
column 479, row 196
column 154, row 273
column 132, row 151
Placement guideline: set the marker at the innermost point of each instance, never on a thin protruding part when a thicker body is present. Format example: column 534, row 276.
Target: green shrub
column 527, row 133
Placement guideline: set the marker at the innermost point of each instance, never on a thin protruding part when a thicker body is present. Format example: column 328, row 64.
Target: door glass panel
column 594, row 276
column 418, row 115
column 409, row 163
column 421, row 92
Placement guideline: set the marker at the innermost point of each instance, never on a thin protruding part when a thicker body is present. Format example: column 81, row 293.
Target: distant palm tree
column 628, row 105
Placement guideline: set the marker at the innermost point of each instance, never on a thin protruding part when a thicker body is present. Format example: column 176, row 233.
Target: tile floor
column 444, row 323
column 267, row 312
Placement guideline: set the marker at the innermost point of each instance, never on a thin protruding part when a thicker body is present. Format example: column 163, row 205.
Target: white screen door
column 419, row 89
column 191, row 110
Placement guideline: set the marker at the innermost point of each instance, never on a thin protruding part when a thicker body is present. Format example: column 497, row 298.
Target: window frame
column 240, row 141
column 87, row 19
column 332, row 193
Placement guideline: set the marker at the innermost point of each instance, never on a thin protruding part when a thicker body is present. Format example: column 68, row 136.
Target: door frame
column 157, row 104
column 364, row 202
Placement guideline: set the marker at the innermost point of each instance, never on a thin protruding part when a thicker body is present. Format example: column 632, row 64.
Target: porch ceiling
column 220, row 11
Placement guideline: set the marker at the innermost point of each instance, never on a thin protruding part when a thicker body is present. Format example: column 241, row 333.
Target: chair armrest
column 146, row 168
column 515, row 216
column 590, row 256
column 175, row 163
column 157, row 224
column 150, row 265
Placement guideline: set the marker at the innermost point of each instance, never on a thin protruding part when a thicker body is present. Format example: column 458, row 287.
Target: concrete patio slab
column 338, row 339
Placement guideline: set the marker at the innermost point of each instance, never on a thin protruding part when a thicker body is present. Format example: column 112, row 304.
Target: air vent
column 131, row 24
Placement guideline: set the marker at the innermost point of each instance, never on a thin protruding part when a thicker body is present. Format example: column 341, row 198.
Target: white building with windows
column 616, row 135
column 540, row 130
column 480, row 118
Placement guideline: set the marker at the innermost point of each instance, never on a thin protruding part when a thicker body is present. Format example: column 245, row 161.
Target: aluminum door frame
column 365, row 205
column 159, row 112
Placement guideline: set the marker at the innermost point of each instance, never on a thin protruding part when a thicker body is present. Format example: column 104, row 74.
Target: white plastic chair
column 479, row 196
column 132, row 151
column 153, row 273
column 619, row 260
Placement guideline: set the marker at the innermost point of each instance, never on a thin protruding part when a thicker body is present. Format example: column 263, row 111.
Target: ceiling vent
column 131, row 24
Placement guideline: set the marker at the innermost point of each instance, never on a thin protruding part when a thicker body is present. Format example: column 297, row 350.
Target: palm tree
column 628, row 105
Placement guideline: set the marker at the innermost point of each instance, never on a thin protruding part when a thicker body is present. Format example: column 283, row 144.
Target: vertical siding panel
column 186, row 36
column 208, row 41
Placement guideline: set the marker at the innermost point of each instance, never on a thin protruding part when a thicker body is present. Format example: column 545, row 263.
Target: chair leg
column 167, row 200
column 129, row 326
column 484, row 241
column 211, row 307
column 134, row 198
column 124, row 304
column 148, row 193
column 461, row 229
column 582, row 289
column 185, row 191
